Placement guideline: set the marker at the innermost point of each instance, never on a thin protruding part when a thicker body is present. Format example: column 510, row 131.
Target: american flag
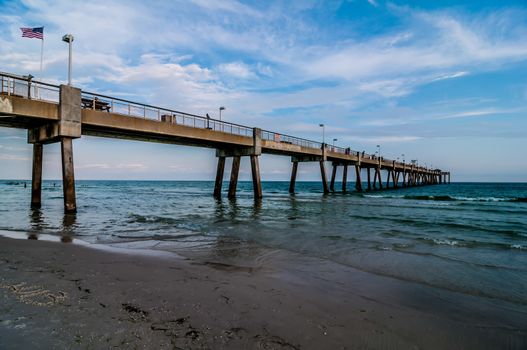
column 37, row 33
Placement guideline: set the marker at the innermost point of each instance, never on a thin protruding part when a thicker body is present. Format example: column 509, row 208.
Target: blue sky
column 444, row 82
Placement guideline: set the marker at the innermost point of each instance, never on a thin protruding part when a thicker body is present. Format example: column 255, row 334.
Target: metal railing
column 292, row 140
column 145, row 111
column 24, row 86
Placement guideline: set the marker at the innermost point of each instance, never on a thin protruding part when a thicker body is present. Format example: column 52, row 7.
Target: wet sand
column 56, row 295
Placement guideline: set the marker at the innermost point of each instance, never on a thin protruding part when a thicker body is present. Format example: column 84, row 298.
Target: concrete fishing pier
column 53, row 113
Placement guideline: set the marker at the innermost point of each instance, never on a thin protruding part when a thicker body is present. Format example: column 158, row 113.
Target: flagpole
column 41, row 56
column 37, row 91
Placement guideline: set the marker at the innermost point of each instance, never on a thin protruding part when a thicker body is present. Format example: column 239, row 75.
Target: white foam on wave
column 446, row 242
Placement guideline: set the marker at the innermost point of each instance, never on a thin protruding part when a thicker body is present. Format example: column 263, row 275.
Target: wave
column 471, row 244
column 451, row 198
column 156, row 237
column 152, row 219
column 431, row 198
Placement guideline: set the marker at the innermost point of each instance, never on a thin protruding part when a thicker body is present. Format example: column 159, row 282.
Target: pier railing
column 141, row 110
column 277, row 137
column 26, row 87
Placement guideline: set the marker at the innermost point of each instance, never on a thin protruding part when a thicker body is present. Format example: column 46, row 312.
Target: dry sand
column 55, row 295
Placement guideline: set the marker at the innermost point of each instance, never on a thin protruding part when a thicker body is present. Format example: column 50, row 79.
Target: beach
column 67, row 295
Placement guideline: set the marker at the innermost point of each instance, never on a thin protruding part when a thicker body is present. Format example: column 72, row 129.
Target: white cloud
column 108, row 166
column 12, row 157
column 227, row 5
column 374, row 139
column 236, row 70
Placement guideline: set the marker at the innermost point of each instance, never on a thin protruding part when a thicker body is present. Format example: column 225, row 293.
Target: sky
column 443, row 82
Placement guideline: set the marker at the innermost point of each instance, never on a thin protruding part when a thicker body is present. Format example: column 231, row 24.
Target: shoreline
column 68, row 295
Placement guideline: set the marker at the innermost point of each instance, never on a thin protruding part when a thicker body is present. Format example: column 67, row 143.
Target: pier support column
column 388, row 179
column 293, row 178
column 234, row 176
column 358, row 181
column 377, row 175
column 257, row 183
column 324, row 178
column 36, row 177
column 333, row 175
column 344, row 177
column 369, row 179
column 68, row 177
column 219, row 177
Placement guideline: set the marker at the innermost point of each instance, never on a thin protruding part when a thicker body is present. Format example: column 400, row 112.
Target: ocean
column 469, row 238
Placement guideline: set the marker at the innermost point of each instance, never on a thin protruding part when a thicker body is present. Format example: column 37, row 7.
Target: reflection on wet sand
column 37, row 222
column 225, row 245
column 67, row 230
column 69, row 222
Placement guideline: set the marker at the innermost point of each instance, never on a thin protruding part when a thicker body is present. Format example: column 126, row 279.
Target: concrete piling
column 358, row 181
column 344, row 177
column 324, row 178
column 333, row 175
column 68, row 177
column 369, row 178
column 293, row 177
column 257, row 183
column 234, row 176
column 36, row 177
column 219, row 177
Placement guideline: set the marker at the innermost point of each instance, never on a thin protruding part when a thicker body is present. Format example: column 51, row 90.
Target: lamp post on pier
column 221, row 109
column 323, row 134
column 334, row 140
column 68, row 38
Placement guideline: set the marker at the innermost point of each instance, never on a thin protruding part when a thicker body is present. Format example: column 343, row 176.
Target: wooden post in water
column 36, row 177
column 344, row 177
column 234, row 176
column 379, row 175
column 68, row 177
column 219, row 177
column 293, row 178
column 358, row 181
column 333, row 175
column 388, row 178
column 257, row 183
column 324, row 178
column 369, row 178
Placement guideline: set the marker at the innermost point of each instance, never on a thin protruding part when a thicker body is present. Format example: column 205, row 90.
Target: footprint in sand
column 35, row 295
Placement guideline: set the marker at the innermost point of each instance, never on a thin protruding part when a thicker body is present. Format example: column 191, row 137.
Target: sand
column 57, row 295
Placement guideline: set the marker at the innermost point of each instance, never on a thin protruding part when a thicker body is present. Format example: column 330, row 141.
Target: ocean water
column 465, row 237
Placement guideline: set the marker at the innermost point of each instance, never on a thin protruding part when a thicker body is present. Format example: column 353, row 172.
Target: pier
column 62, row 113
